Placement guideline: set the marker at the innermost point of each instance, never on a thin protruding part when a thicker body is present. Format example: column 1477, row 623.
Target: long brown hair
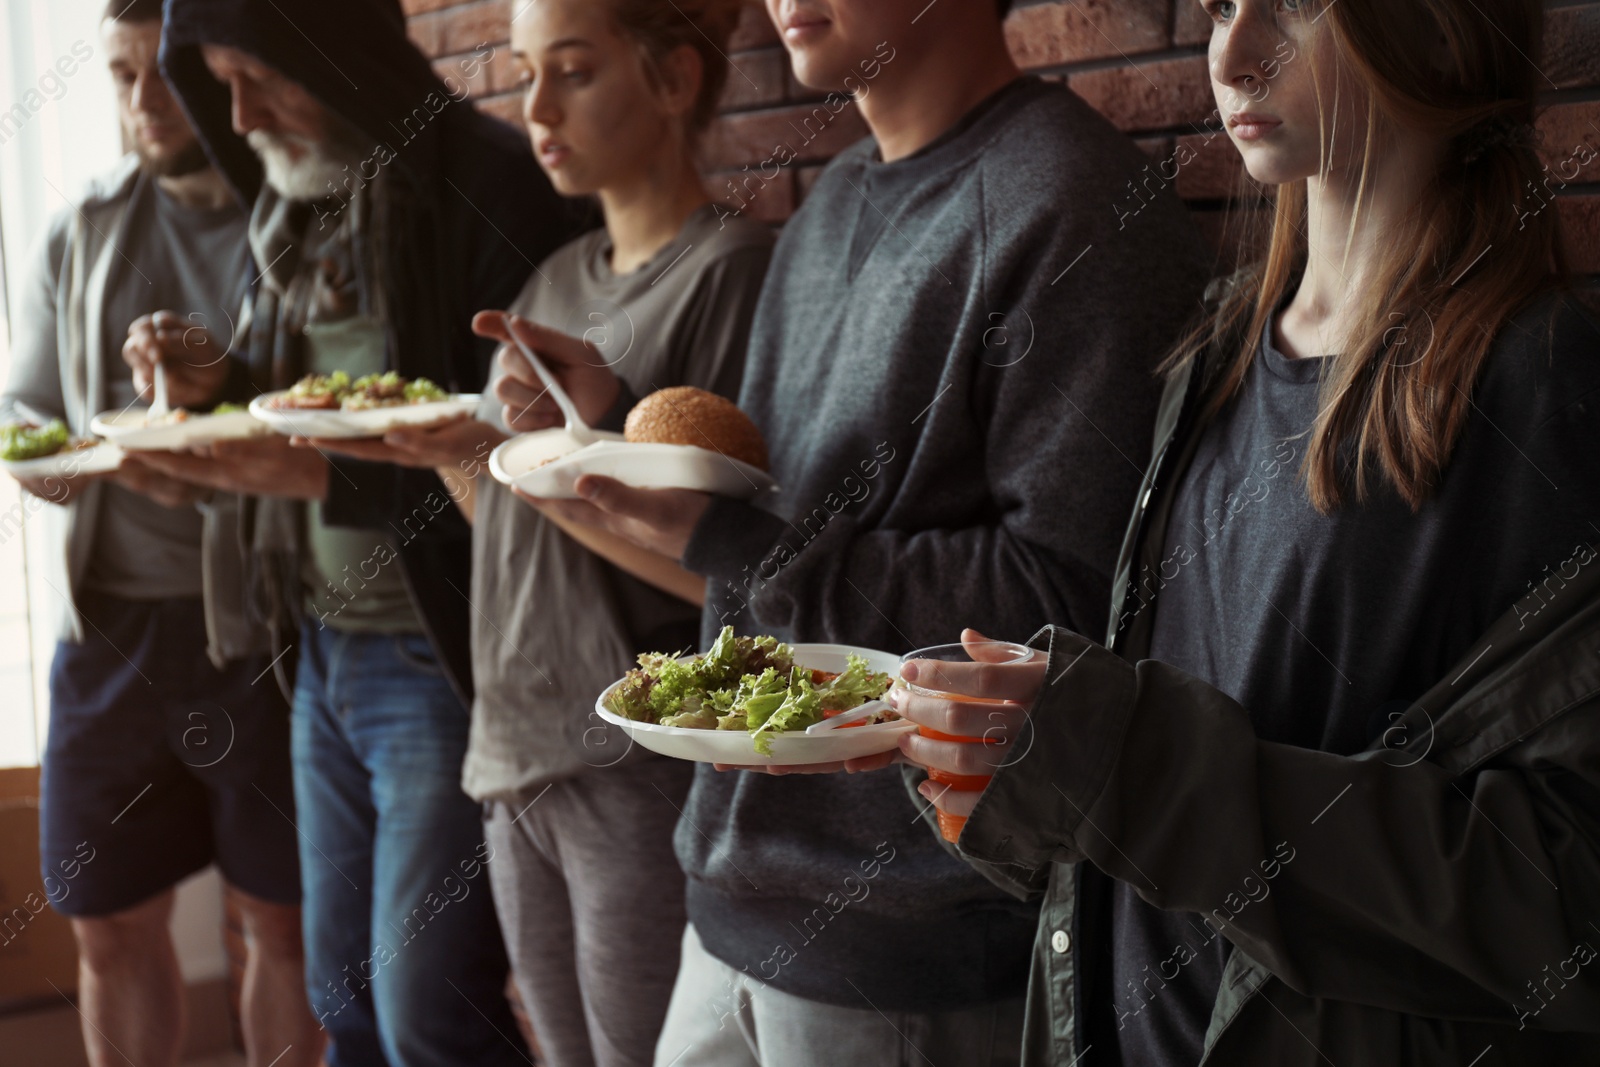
column 1476, row 249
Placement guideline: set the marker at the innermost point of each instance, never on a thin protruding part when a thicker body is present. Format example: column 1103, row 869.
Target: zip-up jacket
column 1433, row 899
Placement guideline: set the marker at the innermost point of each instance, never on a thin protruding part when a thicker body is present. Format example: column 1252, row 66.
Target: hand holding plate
column 660, row 520
column 264, row 465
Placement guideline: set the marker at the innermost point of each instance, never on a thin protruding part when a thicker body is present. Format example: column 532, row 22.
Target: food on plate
column 21, row 440
column 334, row 392
column 743, row 683
column 177, row 415
column 684, row 415
column 315, row 392
column 388, row 390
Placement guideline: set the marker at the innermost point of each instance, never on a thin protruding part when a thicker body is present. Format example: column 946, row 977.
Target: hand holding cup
column 970, row 702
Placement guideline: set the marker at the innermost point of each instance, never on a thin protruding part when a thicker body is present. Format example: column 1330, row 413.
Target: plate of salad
column 749, row 701
column 48, row 450
column 335, row 405
column 134, row 429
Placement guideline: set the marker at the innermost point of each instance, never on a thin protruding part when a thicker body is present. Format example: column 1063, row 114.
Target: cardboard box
column 38, row 955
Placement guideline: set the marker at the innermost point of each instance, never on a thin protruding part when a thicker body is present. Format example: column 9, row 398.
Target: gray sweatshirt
column 952, row 363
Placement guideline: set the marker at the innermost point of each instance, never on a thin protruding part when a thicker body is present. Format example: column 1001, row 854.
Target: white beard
column 316, row 174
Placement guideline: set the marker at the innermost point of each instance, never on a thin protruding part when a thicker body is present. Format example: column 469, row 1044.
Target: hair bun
column 704, row 25
column 1502, row 131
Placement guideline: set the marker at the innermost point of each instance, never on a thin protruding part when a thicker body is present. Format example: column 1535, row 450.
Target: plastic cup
column 930, row 683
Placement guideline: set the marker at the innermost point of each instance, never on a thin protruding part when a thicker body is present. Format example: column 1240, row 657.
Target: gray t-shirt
column 1323, row 627
column 194, row 261
column 554, row 623
column 352, row 575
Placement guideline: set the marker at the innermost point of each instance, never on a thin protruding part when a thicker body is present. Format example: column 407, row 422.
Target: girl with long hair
column 1330, row 790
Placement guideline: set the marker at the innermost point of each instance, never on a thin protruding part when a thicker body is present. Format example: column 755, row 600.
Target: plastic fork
column 577, row 429
column 158, row 405
column 845, row 718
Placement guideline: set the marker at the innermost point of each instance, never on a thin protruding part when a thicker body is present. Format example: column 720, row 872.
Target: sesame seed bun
column 684, row 415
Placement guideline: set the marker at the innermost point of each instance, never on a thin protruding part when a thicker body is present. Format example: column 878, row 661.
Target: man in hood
column 391, row 211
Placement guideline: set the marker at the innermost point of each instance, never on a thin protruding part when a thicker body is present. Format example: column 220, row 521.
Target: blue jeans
column 404, row 962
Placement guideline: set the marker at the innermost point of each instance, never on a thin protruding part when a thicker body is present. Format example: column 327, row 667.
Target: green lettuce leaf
column 856, row 685
column 800, row 706
column 20, row 441
column 421, row 389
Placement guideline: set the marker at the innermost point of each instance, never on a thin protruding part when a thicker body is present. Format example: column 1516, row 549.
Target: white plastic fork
column 845, row 718
column 158, row 404
column 577, row 429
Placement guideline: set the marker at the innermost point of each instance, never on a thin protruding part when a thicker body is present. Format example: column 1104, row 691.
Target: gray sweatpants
column 590, row 898
column 721, row 1017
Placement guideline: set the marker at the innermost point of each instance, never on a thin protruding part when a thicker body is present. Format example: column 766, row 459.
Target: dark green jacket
column 1433, row 900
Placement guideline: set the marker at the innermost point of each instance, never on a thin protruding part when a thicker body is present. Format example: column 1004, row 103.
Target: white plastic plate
column 373, row 422
column 738, row 747
column 129, row 429
column 521, row 463
column 97, row 459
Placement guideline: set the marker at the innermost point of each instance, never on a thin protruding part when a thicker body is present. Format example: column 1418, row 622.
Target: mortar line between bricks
column 1135, row 59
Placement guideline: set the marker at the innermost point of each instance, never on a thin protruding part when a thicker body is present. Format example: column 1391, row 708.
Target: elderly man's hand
column 257, row 466
column 459, row 442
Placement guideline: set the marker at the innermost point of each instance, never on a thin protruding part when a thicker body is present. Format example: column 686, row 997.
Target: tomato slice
column 819, row 677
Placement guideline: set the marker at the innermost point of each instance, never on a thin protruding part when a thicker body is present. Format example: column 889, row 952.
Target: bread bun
column 684, row 415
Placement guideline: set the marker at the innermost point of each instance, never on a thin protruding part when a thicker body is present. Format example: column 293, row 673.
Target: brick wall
column 1141, row 62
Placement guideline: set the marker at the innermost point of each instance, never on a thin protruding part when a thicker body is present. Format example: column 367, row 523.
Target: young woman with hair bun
column 580, row 824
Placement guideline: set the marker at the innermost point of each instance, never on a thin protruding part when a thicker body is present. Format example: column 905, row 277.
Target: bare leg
column 278, row 1027
column 130, row 991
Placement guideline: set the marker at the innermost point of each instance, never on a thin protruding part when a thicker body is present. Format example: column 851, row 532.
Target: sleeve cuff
column 1036, row 802
column 731, row 535
column 617, row 414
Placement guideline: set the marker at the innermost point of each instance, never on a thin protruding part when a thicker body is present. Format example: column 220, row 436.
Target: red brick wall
column 1141, row 62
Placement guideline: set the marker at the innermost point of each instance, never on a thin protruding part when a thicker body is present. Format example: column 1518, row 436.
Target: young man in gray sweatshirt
column 953, row 366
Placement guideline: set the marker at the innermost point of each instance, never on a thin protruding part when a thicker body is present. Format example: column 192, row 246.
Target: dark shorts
column 158, row 764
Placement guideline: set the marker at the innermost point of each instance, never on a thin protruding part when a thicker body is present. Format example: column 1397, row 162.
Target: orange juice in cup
column 931, row 681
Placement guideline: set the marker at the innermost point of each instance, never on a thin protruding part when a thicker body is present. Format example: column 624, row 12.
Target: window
column 58, row 128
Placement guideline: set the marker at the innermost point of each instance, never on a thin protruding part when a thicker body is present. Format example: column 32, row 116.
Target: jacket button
column 1060, row 941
